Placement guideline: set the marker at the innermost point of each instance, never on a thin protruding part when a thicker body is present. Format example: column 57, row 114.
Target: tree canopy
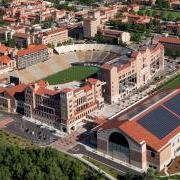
column 40, row 164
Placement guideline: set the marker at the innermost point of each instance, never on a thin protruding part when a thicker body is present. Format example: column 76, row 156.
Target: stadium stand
column 86, row 54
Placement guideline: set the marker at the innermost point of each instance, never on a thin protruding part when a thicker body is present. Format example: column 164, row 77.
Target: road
column 80, row 149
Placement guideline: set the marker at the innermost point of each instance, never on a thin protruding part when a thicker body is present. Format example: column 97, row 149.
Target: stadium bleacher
column 89, row 54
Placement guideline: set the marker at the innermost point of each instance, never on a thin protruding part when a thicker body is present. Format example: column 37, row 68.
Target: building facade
column 140, row 144
column 117, row 36
column 90, row 27
column 64, row 109
column 12, row 98
column 31, row 55
column 55, row 36
column 131, row 71
column 6, row 64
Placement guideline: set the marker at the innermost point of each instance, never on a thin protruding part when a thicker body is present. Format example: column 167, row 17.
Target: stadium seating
column 88, row 54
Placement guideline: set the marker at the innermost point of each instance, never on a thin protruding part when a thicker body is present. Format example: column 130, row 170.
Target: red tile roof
column 138, row 133
column 133, row 16
column 44, row 91
column 100, row 120
column 42, row 83
column 3, row 48
column 90, row 19
column 5, row 59
column 15, row 89
column 134, row 54
column 54, row 31
column 106, row 66
column 31, row 49
column 171, row 40
column 92, row 80
column 66, row 90
column 2, row 89
column 86, row 88
column 111, row 33
column 9, row 19
column 21, row 35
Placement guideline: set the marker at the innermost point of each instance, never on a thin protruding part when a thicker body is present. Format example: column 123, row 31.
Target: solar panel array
column 174, row 104
column 164, row 119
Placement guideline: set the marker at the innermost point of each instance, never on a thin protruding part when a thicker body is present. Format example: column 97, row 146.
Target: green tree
column 162, row 4
column 11, row 43
column 137, row 37
column 50, row 45
column 34, row 173
column 170, row 17
column 154, row 13
column 38, row 164
column 149, row 13
column 5, row 173
column 141, row 12
column 5, row 2
column 150, row 174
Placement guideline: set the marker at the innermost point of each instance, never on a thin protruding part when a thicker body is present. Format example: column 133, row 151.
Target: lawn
column 175, row 177
column 11, row 139
column 172, row 84
column 166, row 12
column 103, row 167
column 75, row 73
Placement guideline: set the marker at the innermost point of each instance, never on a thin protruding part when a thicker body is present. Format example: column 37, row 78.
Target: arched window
column 119, row 139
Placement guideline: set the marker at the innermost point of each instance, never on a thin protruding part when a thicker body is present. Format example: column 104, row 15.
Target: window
column 152, row 154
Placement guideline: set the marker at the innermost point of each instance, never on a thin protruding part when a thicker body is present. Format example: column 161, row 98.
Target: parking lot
column 36, row 133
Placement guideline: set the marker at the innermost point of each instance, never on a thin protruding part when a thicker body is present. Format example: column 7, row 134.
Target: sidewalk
column 79, row 157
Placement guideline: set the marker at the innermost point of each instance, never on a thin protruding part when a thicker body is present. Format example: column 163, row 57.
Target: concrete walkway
column 79, row 157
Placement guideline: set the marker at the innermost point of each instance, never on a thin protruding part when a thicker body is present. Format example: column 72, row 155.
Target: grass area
column 11, row 139
column 103, row 167
column 170, row 177
column 75, row 73
column 157, row 11
column 172, row 84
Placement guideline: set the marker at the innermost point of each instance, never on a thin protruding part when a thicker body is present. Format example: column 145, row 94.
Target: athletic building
column 150, row 139
column 131, row 70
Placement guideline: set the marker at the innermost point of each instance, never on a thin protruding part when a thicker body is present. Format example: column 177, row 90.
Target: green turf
column 75, row 73
column 166, row 12
column 175, row 177
column 172, row 84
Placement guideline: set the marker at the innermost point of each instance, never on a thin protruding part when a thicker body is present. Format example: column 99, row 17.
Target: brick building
column 64, row 109
column 31, row 55
column 118, row 36
column 150, row 139
column 132, row 70
column 55, row 36
column 12, row 98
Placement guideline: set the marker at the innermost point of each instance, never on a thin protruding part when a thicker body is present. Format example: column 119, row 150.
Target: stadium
column 66, row 56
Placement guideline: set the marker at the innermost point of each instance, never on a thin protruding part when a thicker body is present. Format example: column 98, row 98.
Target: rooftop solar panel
column 160, row 122
column 174, row 104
